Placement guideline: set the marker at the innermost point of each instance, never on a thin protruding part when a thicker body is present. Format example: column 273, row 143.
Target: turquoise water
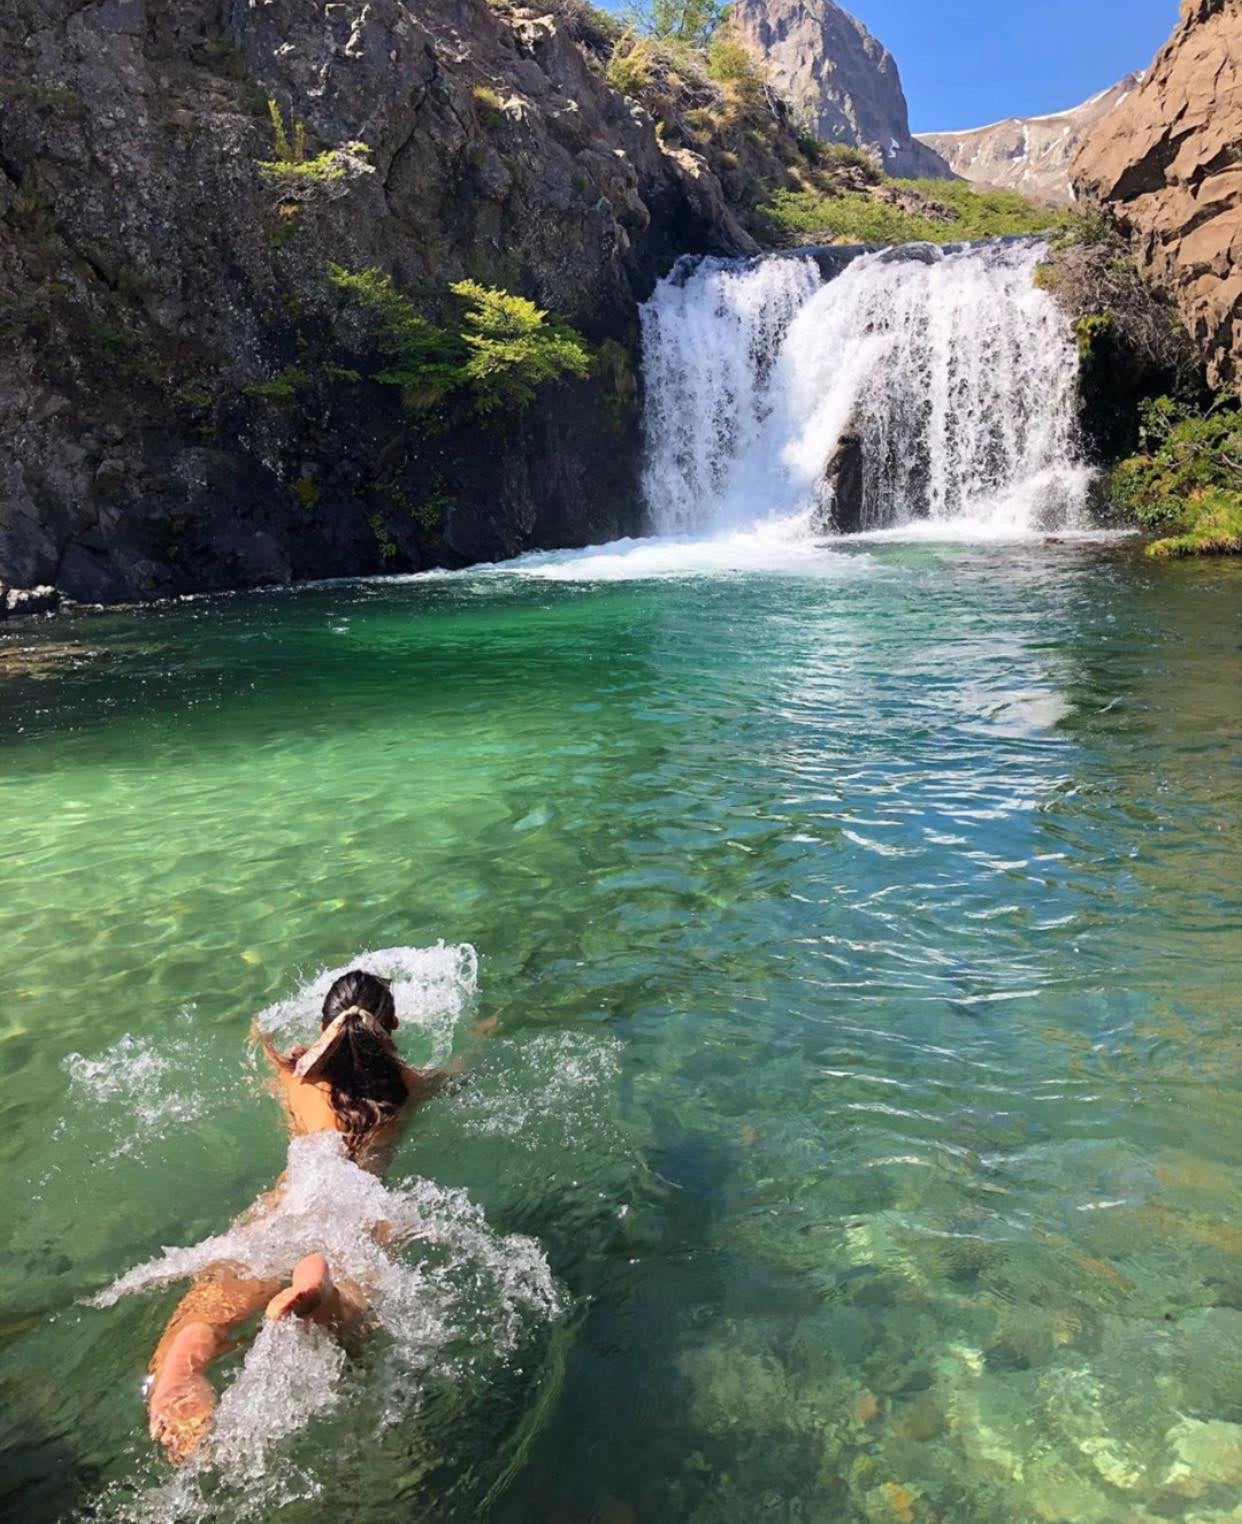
column 865, row 938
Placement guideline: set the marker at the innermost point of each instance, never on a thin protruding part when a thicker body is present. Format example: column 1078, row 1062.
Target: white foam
column 543, row 1091
column 432, row 988
column 294, row 1372
column 144, row 1088
column 331, row 1206
column 777, row 546
column 437, row 1279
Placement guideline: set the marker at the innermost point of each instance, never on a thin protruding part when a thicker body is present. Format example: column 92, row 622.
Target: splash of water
column 431, row 988
column 143, row 1088
column 955, row 373
column 437, row 1249
column 439, row 1280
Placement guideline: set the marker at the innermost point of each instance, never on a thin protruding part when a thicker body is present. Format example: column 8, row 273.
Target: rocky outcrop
column 1029, row 154
column 1168, row 165
column 842, row 81
column 185, row 402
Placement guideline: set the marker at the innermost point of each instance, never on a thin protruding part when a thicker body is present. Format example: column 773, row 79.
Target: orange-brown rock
column 1168, row 163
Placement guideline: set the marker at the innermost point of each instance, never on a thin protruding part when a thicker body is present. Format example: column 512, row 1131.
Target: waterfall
column 919, row 384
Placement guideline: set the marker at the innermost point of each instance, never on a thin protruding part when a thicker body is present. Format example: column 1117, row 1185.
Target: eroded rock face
column 843, row 81
column 1029, row 154
column 156, row 285
column 1168, row 164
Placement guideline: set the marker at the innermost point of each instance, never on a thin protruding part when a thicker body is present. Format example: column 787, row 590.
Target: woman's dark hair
column 368, row 1084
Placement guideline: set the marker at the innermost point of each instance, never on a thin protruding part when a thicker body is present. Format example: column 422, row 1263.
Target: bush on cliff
column 501, row 349
column 687, row 21
column 1187, row 480
column 424, row 360
column 513, row 347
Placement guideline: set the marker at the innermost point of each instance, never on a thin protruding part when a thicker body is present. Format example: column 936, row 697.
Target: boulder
column 844, row 481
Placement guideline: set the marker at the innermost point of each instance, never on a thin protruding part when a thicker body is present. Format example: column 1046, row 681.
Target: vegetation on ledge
column 905, row 211
column 709, row 94
column 291, row 165
column 1187, row 481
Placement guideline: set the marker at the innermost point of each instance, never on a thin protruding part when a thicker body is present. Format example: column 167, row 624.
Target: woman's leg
column 182, row 1400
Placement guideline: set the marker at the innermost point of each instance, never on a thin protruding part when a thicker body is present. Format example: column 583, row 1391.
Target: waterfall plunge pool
column 867, row 1078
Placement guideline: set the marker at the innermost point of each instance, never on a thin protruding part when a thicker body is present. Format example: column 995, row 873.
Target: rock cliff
column 185, row 402
column 844, row 83
column 1168, row 164
column 1028, row 154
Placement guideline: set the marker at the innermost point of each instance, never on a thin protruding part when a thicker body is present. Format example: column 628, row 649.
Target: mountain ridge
column 1029, row 154
column 841, row 80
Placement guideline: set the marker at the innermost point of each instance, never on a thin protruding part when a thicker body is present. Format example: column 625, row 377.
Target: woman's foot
column 182, row 1399
column 310, row 1290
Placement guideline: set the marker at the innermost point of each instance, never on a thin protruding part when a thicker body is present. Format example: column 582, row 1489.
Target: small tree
column 688, row 21
column 514, row 347
column 425, row 361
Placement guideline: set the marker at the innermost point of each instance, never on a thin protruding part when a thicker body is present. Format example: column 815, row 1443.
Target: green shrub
column 1089, row 330
column 632, row 67
column 306, row 491
column 387, row 545
column 1085, row 227
column 324, row 166
column 291, row 164
column 850, row 156
column 504, row 349
column 282, row 387
column 587, row 23
column 30, row 214
column 730, row 61
column 289, row 150
column 1188, row 480
column 424, row 360
column 514, row 347
column 688, row 21
column 1214, row 522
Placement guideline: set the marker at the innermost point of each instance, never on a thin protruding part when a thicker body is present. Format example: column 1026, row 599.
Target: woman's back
column 308, row 1104
column 350, row 1079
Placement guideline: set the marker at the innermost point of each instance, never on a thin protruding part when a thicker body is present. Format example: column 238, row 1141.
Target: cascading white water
column 953, row 371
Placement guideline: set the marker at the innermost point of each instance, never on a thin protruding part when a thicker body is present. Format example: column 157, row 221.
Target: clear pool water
column 866, row 936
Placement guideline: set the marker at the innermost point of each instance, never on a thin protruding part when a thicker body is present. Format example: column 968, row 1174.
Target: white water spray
column 952, row 370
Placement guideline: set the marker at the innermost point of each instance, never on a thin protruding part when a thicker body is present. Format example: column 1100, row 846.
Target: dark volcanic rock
column 839, row 77
column 845, row 478
column 156, row 285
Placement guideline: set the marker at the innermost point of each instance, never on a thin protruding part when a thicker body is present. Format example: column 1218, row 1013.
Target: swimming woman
column 350, row 1081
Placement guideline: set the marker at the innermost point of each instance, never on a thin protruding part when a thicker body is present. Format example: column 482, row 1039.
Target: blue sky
column 967, row 62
